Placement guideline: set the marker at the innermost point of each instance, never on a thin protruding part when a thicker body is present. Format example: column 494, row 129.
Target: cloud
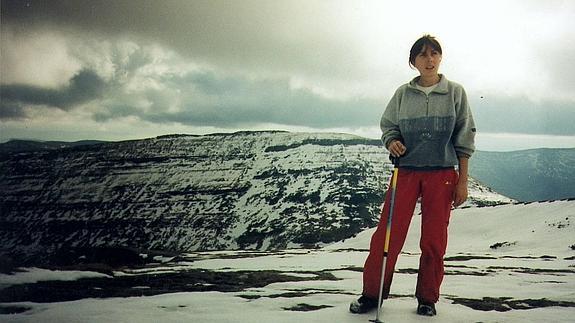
column 206, row 98
column 558, row 61
column 11, row 111
column 251, row 36
column 124, row 79
column 41, row 58
column 83, row 87
column 316, row 64
column 504, row 114
column 159, row 86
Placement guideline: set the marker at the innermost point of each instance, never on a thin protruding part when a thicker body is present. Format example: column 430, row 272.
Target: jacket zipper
column 426, row 101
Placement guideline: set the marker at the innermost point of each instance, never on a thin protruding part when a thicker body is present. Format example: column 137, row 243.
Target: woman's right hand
column 396, row 148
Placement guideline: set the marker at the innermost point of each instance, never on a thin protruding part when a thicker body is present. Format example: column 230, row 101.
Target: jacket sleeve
column 389, row 123
column 464, row 132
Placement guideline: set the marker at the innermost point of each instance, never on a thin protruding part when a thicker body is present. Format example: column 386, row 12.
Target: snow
column 34, row 275
column 277, row 181
column 515, row 270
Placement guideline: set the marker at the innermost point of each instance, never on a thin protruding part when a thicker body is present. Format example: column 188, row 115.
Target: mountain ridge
column 197, row 193
column 491, row 168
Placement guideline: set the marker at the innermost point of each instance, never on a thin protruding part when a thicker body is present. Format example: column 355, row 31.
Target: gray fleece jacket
column 436, row 128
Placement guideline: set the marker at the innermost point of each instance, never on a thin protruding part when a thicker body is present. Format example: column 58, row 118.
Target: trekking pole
column 395, row 162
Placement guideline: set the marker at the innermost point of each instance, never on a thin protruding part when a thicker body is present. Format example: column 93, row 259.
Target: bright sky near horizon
column 126, row 69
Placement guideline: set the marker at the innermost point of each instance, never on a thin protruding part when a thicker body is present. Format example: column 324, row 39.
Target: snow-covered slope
column 247, row 190
column 510, row 263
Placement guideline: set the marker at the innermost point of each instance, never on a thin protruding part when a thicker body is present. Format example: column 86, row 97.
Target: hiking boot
column 426, row 309
column 363, row 304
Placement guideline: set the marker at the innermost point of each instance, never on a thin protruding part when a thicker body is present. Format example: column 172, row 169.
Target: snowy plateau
column 254, row 227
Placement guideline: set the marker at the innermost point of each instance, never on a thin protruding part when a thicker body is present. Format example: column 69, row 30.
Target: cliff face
column 256, row 190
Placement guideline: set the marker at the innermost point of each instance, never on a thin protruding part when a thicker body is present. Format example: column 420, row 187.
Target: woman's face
column 427, row 61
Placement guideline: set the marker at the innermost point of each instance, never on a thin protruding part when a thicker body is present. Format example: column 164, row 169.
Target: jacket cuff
column 462, row 154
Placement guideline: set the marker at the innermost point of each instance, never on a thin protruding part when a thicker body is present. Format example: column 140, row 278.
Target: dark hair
column 425, row 40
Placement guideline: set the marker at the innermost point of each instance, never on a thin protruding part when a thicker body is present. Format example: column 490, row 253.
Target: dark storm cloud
column 221, row 101
column 247, row 51
column 83, row 87
column 249, row 34
column 117, row 111
column 303, row 111
column 11, row 111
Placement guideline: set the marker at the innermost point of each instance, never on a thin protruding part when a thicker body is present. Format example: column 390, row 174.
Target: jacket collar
column 441, row 86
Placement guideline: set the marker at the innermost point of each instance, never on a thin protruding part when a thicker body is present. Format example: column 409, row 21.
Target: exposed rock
column 248, row 190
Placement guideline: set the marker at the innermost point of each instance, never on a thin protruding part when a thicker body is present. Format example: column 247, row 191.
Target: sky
column 128, row 69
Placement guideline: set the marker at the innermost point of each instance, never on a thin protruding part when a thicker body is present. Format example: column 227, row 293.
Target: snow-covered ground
column 517, row 258
column 34, row 275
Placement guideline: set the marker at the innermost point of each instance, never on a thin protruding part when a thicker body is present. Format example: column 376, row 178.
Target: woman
column 427, row 125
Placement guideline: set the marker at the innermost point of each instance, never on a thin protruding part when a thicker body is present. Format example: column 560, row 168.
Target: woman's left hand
column 460, row 193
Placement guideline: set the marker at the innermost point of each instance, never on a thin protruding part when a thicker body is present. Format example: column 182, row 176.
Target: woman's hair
column 425, row 40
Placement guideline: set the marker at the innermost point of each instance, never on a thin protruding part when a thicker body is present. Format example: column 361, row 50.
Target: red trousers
column 436, row 188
